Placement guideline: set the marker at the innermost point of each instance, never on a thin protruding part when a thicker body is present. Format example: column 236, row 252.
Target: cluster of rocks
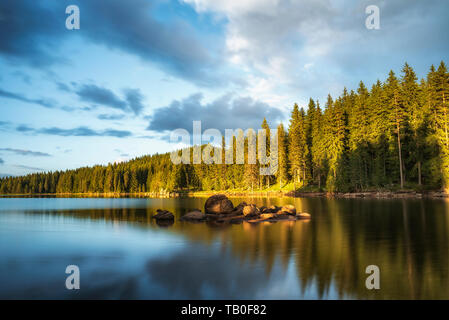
column 219, row 209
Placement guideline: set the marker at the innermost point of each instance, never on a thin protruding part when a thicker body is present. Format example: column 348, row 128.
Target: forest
column 394, row 135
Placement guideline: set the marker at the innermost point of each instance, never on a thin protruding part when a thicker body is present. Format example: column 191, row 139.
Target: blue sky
column 136, row 70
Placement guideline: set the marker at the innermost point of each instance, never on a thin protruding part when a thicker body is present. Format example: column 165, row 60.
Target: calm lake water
column 123, row 254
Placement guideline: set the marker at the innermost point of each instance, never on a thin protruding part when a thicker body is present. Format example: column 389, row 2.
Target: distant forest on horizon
column 393, row 135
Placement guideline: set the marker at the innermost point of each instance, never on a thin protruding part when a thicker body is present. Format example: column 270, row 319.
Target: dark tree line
column 395, row 134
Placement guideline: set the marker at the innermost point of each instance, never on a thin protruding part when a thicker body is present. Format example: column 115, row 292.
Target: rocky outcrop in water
column 163, row 215
column 194, row 216
column 220, row 210
column 218, row 204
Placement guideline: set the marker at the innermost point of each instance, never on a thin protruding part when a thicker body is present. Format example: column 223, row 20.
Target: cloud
column 24, row 128
column 122, row 154
column 28, row 168
column 276, row 42
column 30, row 32
column 16, row 96
column 84, row 132
column 81, row 131
column 226, row 112
column 134, row 99
column 23, row 152
column 102, row 96
column 2, row 161
column 4, row 124
column 111, row 116
column 97, row 95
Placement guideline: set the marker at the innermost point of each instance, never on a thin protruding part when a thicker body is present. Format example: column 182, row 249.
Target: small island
column 218, row 209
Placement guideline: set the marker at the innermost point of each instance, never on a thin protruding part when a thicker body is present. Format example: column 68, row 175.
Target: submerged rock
column 266, row 216
column 251, row 211
column 238, row 210
column 303, row 215
column 289, row 209
column 217, row 204
column 163, row 215
column 270, row 209
column 195, row 215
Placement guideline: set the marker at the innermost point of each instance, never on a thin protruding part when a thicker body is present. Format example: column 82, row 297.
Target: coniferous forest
column 390, row 136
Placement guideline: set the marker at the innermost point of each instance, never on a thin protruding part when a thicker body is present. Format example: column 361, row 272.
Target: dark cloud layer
column 226, row 112
column 31, row 31
column 2, row 161
column 26, row 152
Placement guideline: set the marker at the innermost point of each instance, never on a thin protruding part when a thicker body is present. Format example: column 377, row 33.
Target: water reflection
column 324, row 258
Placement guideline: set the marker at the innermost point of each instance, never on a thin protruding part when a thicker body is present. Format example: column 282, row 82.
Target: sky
column 136, row 70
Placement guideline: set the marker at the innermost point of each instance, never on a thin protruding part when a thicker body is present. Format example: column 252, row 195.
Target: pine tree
column 358, row 139
column 282, row 173
column 411, row 100
column 440, row 98
column 308, row 125
column 397, row 117
column 297, row 146
column 318, row 145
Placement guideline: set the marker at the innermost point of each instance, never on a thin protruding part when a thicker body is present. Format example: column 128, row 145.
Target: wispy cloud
column 20, row 97
column 81, row 131
column 23, row 152
column 20, row 166
column 110, row 116
column 84, row 132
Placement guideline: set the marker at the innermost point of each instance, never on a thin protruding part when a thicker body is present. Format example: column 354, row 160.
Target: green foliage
column 394, row 135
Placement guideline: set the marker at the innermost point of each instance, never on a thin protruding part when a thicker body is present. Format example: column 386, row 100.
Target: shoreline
column 402, row 194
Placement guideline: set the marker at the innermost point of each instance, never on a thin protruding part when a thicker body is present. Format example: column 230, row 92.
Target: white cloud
column 271, row 40
column 290, row 50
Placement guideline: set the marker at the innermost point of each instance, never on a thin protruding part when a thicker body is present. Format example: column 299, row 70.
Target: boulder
column 289, row 209
column 251, row 210
column 238, row 210
column 267, row 216
column 218, row 203
column 195, row 215
column 303, row 215
column 163, row 215
column 271, row 209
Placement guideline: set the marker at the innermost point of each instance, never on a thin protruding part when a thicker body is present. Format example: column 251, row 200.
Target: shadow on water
column 322, row 258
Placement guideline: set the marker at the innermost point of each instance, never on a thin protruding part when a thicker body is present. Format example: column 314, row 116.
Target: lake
column 124, row 254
